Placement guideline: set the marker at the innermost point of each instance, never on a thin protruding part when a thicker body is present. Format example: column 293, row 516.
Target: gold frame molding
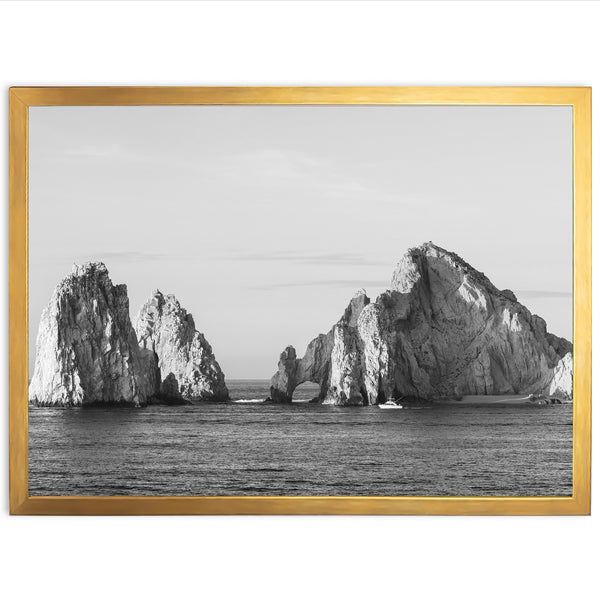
column 21, row 98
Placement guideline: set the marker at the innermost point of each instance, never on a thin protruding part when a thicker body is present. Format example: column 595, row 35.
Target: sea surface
column 246, row 448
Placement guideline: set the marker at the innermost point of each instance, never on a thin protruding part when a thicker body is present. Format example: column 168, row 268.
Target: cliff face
column 188, row 367
column 87, row 350
column 442, row 331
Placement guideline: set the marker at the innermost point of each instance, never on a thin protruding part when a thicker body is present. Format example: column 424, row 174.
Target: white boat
column 390, row 404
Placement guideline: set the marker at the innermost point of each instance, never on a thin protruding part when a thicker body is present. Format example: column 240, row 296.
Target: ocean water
column 246, row 448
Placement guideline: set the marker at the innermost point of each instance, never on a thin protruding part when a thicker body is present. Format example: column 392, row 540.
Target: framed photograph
column 300, row 300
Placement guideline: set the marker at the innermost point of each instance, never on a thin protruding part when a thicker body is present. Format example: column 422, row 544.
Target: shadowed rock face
column 87, row 350
column 187, row 364
column 442, row 331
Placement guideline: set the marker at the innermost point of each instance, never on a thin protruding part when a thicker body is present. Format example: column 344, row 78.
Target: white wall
column 306, row 43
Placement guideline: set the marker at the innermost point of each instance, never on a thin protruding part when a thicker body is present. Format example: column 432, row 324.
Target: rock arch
column 318, row 365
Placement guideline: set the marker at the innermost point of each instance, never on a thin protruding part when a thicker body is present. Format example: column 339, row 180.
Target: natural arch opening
column 306, row 391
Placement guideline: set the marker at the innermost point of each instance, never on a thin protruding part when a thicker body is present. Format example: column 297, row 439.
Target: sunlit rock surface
column 442, row 331
column 561, row 386
column 188, row 367
column 87, row 350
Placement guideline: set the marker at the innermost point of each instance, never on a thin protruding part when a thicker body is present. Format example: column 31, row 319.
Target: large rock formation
column 187, row 364
column 442, row 331
column 87, row 350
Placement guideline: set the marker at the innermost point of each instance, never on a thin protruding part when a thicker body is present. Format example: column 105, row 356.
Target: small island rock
column 184, row 355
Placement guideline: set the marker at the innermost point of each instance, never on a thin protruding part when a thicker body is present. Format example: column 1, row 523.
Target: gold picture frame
column 21, row 98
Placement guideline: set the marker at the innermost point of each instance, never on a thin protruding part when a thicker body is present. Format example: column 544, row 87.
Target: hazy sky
column 264, row 221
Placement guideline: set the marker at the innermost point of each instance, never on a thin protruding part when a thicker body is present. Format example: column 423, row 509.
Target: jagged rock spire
column 185, row 358
column 87, row 350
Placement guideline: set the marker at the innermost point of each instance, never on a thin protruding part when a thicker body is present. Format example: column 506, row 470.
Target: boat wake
column 249, row 401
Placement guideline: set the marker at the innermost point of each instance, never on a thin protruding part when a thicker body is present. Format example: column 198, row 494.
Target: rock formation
column 87, row 350
column 186, row 360
column 332, row 360
column 442, row 331
column 561, row 385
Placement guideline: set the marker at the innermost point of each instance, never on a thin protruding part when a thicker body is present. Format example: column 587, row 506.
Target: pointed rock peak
column 88, row 276
column 353, row 310
column 431, row 250
column 157, row 299
column 95, row 271
column 418, row 260
column 89, row 268
column 165, row 303
column 289, row 353
column 167, row 329
column 171, row 300
column 163, row 309
column 429, row 247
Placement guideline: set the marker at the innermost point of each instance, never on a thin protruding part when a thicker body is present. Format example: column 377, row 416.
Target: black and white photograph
column 300, row 301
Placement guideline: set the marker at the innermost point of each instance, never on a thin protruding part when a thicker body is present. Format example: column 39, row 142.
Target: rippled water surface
column 301, row 449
